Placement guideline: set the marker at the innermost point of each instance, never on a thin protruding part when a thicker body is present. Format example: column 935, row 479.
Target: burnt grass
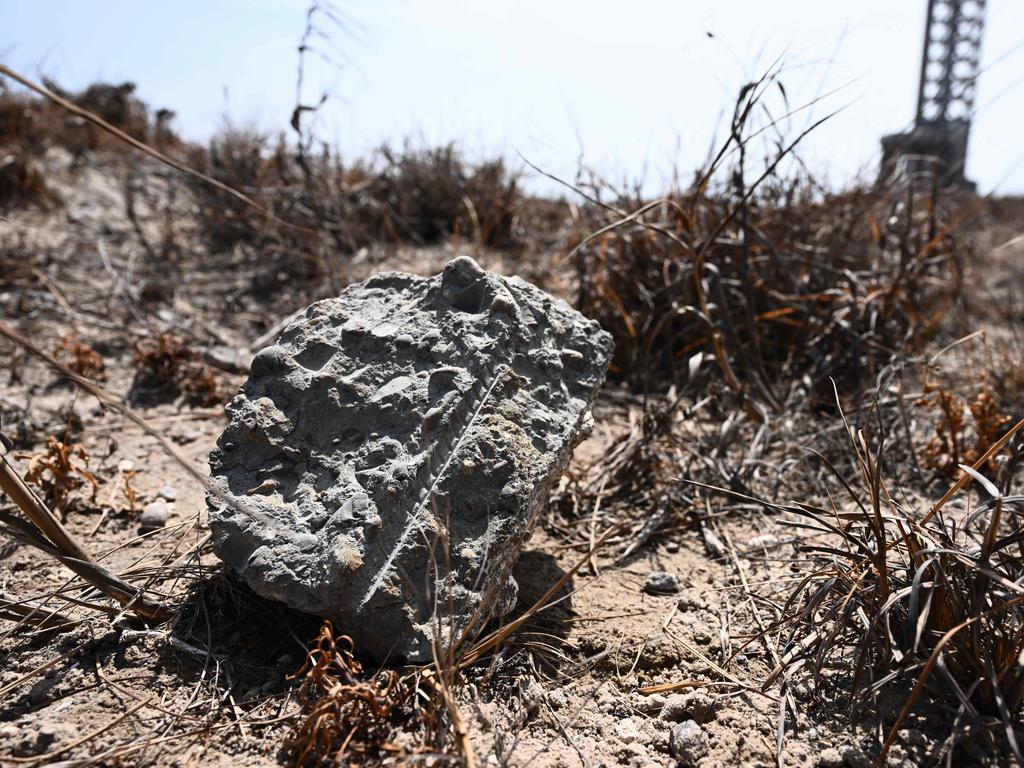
column 822, row 362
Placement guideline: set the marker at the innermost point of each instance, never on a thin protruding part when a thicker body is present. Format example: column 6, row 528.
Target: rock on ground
column 391, row 451
column 661, row 583
column 154, row 515
column 688, row 743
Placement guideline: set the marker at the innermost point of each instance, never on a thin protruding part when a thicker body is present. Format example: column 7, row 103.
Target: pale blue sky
column 638, row 87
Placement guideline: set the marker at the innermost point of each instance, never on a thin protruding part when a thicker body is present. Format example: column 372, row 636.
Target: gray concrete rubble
column 390, row 452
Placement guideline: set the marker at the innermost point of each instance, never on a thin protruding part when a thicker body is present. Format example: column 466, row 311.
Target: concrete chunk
column 391, row 451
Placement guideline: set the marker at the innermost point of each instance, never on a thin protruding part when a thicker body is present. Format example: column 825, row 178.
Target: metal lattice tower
column 937, row 144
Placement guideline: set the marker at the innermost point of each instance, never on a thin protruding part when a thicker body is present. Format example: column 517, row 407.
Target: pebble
column 626, row 730
column 167, row 492
column 661, row 582
column 713, row 544
column 227, row 359
column 651, row 703
column 125, row 465
column 154, row 515
column 688, row 743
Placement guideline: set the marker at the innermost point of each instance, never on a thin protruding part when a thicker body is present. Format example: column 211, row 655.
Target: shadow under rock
column 252, row 644
column 546, row 631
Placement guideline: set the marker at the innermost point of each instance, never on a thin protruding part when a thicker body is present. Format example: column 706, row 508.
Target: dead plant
column 963, row 430
column 80, row 357
column 60, row 471
column 347, row 713
column 166, row 366
column 925, row 603
column 42, row 528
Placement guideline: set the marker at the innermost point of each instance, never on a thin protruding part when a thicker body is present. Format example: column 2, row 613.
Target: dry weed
column 80, row 357
column 963, row 430
column 166, row 366
column 347, row 714
column 923, row 603
column 60, row 471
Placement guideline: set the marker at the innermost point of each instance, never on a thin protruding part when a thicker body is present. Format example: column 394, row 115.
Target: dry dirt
column 212, row 689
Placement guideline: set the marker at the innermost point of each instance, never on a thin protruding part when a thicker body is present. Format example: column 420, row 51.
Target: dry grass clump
column 167, row 367
column 430, row 194
column 784, row 291
column 21, row 182
column 239, row 158
column 923, row 603
column 34, row 124
column 30, row 125
column 783, row 284
column 417, row 196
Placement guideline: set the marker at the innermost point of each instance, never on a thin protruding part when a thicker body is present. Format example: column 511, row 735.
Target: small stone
column 606, row 701
column 688, row 743
column 671, row 547
column 167, row 492
column 713, row 544
column 125, row 465
column 154, row 515
column 812, row 734
column 188, row 436
column 855, row 757
column 829, row 758
column 652, row 703
column 626, row 730
column 661, row 583
column 532, row 698
column 634, row 754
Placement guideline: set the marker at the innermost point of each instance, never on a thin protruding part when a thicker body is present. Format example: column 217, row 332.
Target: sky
column 637, row 91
